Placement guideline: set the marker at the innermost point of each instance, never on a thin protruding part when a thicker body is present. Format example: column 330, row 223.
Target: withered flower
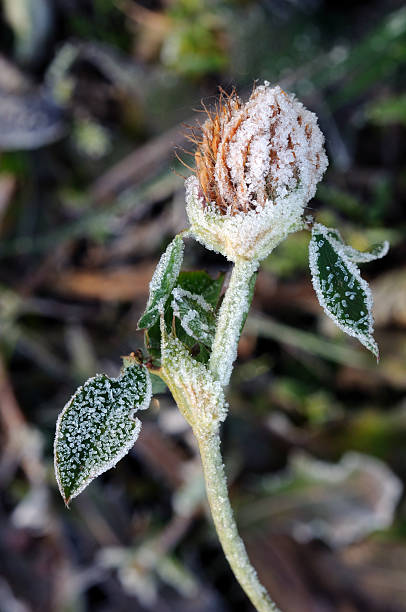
column 257, row 166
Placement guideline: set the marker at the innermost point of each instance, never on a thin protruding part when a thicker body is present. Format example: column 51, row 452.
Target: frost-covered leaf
column 195, row 315
column 209, row 289
column 343, row 294
column 335, row 502
column 197, row 282
column 163, row 281
column 377, row 251
column 97, row 427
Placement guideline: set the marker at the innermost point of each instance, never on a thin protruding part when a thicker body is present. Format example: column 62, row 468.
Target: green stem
column 233, row 546
column 194, row 407
column 199, row 394
column 231, row 319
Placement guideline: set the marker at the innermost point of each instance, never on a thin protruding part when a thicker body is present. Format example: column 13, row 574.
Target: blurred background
column 94, row 98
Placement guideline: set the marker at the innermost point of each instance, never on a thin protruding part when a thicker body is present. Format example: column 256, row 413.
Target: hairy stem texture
column 233, row 546
column 232, row 314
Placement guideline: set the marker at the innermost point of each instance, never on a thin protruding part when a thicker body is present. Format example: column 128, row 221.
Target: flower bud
column 257, row 166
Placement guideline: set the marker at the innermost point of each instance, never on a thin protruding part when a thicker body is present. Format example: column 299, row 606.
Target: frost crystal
column 162, row 282
column 97, row 427
column 231, row 318
column 195, row 315
column 270, row 146
column 355, row 497
column 251, row 235
column 342, row 293
column 258, row 165
column 377, row 252
column 193, row 386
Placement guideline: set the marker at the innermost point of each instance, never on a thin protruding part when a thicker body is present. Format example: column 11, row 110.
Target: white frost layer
column 230, row 318
column 194, row 322
column 269, row 159
column 193, row 386
column 272, row 143
column 179, row 293
column 324, row 291
column 250, row 235
column 97, row 427
column 164, row 277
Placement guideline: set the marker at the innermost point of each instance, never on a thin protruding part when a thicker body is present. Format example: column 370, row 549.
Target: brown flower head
column 249, row 154
column 257, row 166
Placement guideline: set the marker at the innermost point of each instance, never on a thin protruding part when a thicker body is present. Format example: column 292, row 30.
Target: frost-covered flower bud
column 257, row 166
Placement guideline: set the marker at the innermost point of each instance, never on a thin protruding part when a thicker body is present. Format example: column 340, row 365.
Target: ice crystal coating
column 195, row 315
column 231, row 319
column 344, row 296
column 377, row 251
column 193, row 289
column 97, row 427
column 251, row 235
column 162, row 283
column 257, row 166
column 355, row 497
column 197, row 394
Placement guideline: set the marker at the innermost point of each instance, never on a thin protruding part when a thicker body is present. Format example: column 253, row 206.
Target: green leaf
column 97, row 427
column 195, row 315
column 196, row 282
column 201, row 283
column 342, row 293
column 377, row 251
column 163, row 281
column 158, row 385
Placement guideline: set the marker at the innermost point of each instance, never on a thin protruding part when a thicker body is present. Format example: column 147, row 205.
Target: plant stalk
column 200, row 408
column 223, row 517
column 231, row 318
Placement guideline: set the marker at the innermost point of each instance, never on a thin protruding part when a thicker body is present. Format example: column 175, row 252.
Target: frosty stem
column 217, row 494
column 230, row 321
column 204, row 411
column 233, row 546
column 231, row 316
